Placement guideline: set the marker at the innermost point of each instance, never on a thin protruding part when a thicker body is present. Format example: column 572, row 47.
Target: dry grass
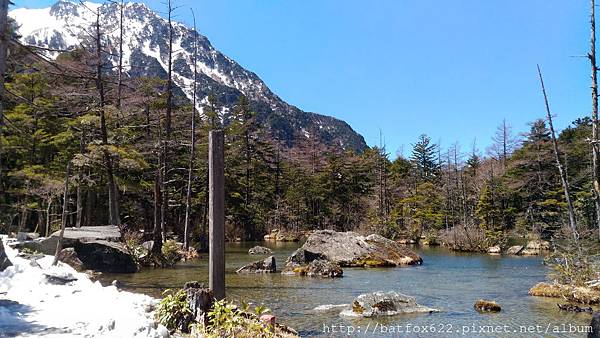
column 577, row 294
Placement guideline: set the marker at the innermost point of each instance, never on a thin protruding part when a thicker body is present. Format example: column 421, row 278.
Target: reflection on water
column 448, row 281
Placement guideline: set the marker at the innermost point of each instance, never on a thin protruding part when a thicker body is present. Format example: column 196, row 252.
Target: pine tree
column 424, row 159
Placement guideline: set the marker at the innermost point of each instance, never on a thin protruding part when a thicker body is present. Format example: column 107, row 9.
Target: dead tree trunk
column 188, row 197
column 120, row 67
column 3, row 51
column 167, row 141
column 158, row 208
column 113, row 202
column 561, row 171
column 595, row 139
column 65, row 214
column 79, row 216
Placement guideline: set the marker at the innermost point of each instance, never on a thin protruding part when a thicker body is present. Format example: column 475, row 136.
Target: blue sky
column 450, row 69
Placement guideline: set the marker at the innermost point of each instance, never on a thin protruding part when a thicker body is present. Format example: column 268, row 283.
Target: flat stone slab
column 72, row 236
column 92, row 233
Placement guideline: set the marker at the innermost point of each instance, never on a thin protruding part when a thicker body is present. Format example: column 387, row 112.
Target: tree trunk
column 157, row 231
column 79, row 216
column 595, row 139
column 113, row 202
column 120, row 67
column 167, row 141
column 48, row 218
column 188, row 196
column 563, row 176
column 3, row 51
column 64, row 214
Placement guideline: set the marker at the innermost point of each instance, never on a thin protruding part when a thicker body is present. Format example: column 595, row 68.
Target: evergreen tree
column 424, row 159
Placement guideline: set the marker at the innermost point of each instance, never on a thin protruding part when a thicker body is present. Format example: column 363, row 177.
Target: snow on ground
column 31, row 307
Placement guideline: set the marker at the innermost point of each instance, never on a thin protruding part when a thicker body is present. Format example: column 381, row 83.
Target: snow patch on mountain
column 68, row 25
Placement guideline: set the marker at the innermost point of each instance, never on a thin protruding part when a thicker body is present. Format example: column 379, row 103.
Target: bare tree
column 561, row 171
column 3, row 51
column 188, row 197
column 113, row 198
column 79, row 212
column 65, row 214
column 504, row 142
column 595, row 139
column 167, row 140
column 120, row 67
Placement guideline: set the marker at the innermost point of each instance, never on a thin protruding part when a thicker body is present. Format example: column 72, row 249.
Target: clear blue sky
column 450, row 69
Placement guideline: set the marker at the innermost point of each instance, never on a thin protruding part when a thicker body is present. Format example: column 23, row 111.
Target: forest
column 133, row 157
column 88, row 142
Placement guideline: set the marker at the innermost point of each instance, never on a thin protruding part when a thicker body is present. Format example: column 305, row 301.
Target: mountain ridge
column 63, row 26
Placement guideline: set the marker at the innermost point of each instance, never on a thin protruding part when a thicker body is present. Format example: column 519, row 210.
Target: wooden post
column 216, row 213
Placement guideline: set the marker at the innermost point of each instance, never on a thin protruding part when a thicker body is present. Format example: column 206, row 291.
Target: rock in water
column 349, row 249
column 575, row 308
column 69, row 256
column 514, row 250
column 385, row 304
column 483, row 305
column 535, row 247
column 316, row 268
column 266, row 265
column 595, row 325
column 494, row 250
column 105, row 256
column 329, row 307
column 4, row 261
column 260, row 250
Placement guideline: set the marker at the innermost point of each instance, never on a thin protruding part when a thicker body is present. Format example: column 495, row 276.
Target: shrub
column 173, row 309
column 228, row 320
column 575, row 262
column 171, row 252
column 468, row 239
column 133, row 243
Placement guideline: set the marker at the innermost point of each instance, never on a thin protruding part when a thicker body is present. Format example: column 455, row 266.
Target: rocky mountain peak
column 63, row 26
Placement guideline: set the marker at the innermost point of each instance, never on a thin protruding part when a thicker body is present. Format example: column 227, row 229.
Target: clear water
column 448, row 281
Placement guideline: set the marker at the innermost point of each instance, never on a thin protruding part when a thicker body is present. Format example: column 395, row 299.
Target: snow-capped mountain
column 67, row 25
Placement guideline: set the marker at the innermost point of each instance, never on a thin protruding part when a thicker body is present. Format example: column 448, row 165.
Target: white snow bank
column 30, row 306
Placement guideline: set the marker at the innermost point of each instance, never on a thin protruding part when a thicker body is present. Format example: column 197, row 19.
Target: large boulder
column 105, row 256
column 4, row 261
column 96, row 247
column 385, row 304
column 266, row 265
column 349, row 249
column 110, row 233
column 260, row 250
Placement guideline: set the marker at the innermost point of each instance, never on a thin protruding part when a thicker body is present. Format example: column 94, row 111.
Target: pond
column 448, row 281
